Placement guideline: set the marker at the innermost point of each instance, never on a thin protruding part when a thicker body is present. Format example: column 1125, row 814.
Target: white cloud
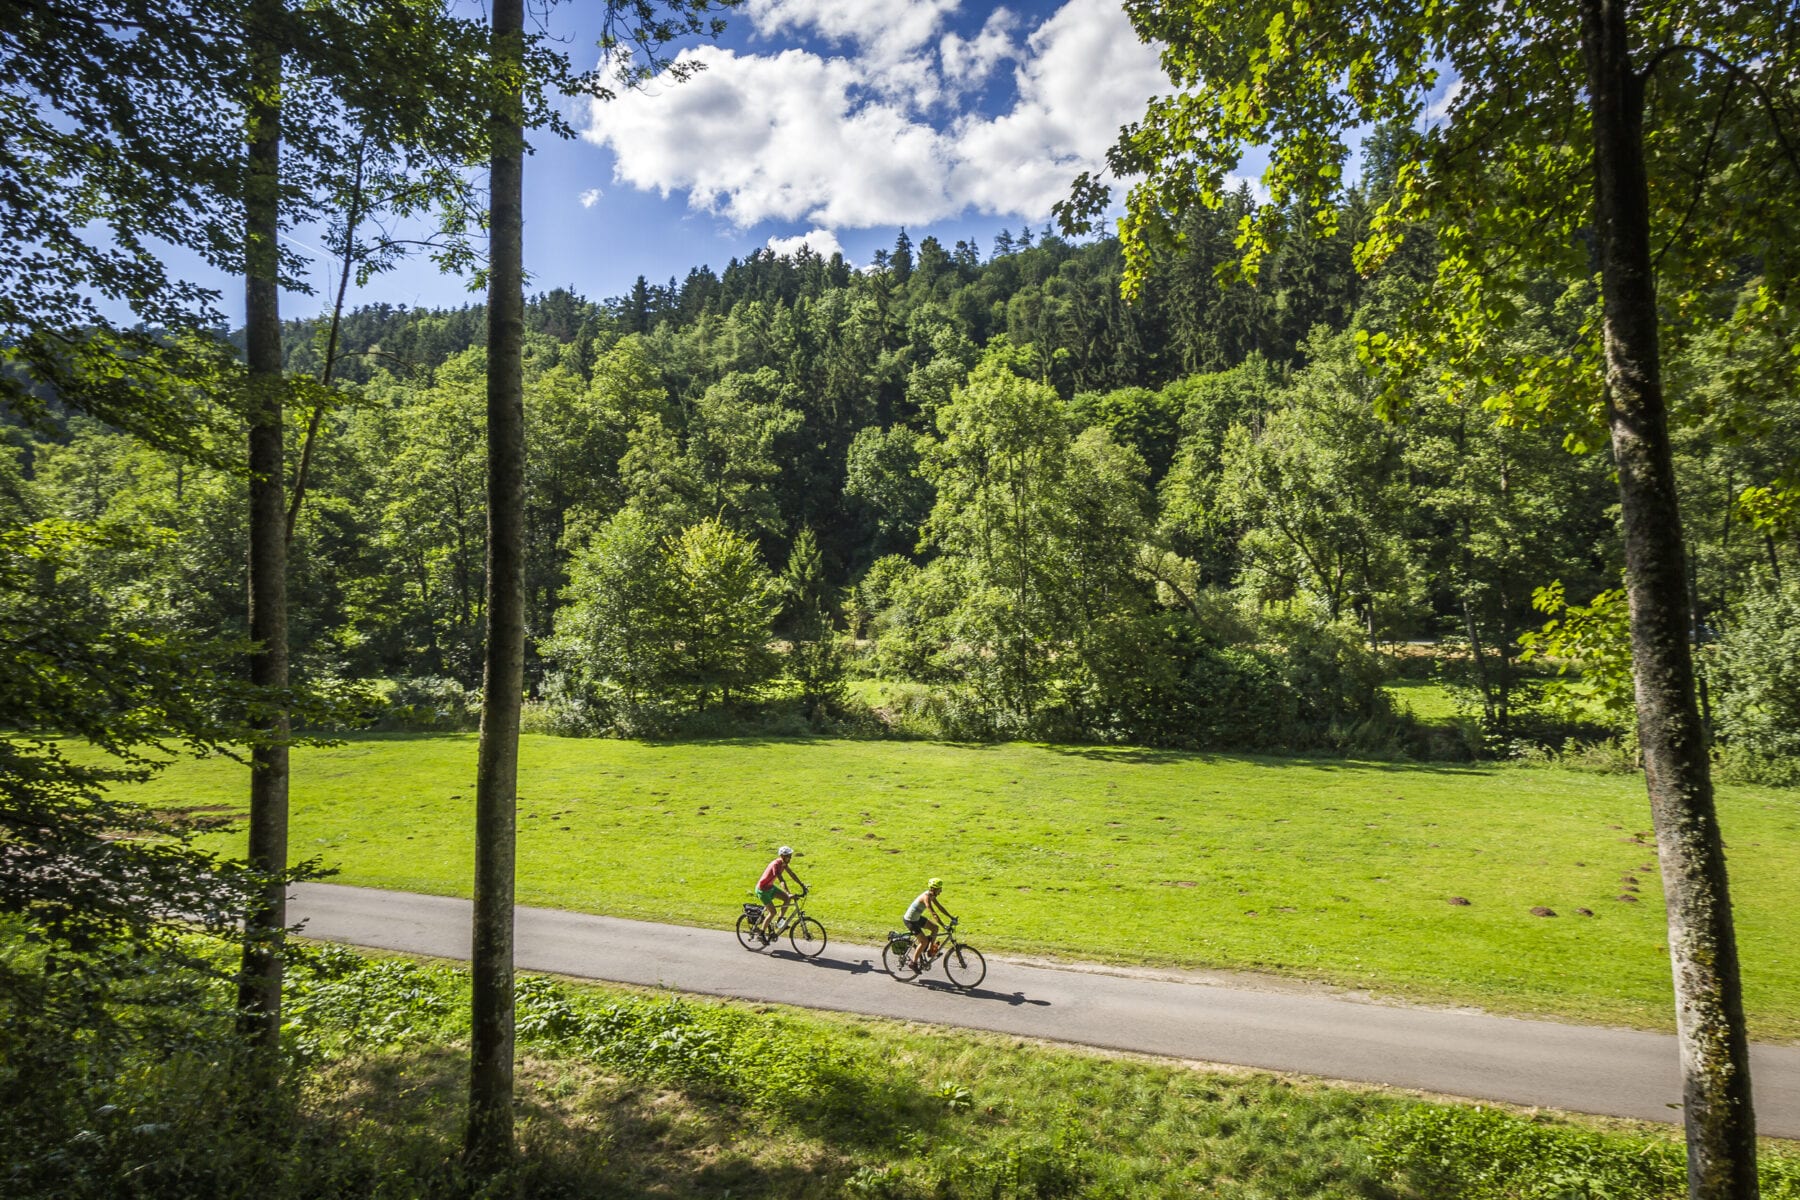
column 590, row 197
column 887, row 26
column 967, row 62
column 891, row 39
column 824, row 243
column 845, row 142
column 1441, row 108
column 1084, row 75
column 757, row 137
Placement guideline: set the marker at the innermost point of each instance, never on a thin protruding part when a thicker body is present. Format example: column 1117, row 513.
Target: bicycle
column 963, row 964
column 804, row 933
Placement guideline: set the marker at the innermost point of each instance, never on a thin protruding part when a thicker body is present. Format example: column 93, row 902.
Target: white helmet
column 786, row 852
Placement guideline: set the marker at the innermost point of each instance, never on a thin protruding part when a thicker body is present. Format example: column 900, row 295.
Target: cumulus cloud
column 1084, row 74
column 795, row 136
column 891, row 39
column 882, row 26
column 824, row 243
column 967, row 62
column 590, row 197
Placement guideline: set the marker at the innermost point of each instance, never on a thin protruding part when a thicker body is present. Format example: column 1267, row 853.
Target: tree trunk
column 259, row 988
column 1715, row 1063
column 489, row 1142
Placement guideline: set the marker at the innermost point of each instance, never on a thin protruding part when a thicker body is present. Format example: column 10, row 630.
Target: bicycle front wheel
column 808, row 937
column 894, row 957
column 751, row 937
column 964, row 966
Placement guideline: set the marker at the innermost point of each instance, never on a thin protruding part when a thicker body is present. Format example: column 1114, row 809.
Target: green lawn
column 1328, row 870
column 1428, row 700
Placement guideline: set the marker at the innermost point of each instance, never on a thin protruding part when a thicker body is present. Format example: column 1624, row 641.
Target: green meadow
column 1346, row 873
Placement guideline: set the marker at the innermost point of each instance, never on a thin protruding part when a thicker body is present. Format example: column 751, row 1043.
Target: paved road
column 1615, row 1072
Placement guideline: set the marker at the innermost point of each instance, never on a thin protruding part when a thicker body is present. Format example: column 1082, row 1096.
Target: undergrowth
column 626, row 1093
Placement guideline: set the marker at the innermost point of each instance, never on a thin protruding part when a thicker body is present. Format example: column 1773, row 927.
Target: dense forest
column 1042, row 510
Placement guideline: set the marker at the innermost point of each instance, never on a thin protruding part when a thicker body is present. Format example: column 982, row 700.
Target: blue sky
column 830, row 121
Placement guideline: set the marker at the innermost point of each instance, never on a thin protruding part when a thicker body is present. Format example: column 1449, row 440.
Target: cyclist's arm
column 943, row 910
column 795, row 876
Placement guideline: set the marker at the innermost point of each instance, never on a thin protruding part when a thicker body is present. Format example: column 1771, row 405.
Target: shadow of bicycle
column 831, row 964
column 1013, row 998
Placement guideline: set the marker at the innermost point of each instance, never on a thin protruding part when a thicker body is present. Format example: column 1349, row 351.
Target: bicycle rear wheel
column 964, row 966
column 808, row 938
column 748, row 934
column 894, row 957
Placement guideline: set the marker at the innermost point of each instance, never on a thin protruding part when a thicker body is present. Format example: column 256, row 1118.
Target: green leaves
column 1591, row 646
column 82, row 868
column 682, row 619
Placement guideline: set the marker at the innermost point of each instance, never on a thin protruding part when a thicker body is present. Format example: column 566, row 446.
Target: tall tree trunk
column 259, row 988
column 1715, row 1062
column 489, row 1142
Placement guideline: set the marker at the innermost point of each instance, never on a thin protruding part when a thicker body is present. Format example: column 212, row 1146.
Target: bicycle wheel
column 808, row 938
column 893, row 959
column 751, row 937
column 965, row 966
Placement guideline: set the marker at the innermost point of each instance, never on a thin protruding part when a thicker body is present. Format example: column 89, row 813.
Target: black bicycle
column 804, row 933
column 963, row 964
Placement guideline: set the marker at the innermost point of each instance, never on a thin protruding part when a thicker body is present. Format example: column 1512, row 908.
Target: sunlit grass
column 1330, row 870
column 1427, row 699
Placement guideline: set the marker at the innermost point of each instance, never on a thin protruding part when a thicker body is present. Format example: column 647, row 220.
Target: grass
column 1428, row 700
column 847, row 1107
column 898, row 1110
column 1327, row 870
column 626, row 1092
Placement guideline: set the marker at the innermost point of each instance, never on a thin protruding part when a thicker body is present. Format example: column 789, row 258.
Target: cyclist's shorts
column 917, row 926
column 769, row 895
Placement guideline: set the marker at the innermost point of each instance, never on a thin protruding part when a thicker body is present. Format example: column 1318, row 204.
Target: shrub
column 1745, row 764
column 1756, row 679
column 1458, row 1153
column 1161, row 680
column 432, row 703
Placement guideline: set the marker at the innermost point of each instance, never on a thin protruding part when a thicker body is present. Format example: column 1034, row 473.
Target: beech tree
column 307, row 83
column 1652, row 145
column 525, row 74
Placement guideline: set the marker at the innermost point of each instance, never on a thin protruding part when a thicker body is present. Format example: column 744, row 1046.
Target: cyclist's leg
column 778, row 911
column 925, row 943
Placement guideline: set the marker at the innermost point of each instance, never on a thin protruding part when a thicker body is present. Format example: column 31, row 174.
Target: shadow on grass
column 1138, row 755
column 583, row 1131
column 1134, row 755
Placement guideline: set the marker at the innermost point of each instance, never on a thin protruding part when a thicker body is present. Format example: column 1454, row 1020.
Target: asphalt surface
column 1612, row 1072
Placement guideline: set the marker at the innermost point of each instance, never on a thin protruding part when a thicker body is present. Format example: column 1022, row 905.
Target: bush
column 429, row 703
column 1756, row 677
column 1480, row 1154
column 1459, row 1153
column 1744, row 764
column 1161, row 680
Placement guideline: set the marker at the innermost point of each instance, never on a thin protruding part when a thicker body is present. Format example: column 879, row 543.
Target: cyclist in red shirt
column 769, row 889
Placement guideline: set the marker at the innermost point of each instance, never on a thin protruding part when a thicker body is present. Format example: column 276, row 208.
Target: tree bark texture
column 1715, row 1064
column 489, row 1142
column 259, row 988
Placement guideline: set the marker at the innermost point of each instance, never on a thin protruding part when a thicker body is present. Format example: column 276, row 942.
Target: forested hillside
column 1179, row 521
